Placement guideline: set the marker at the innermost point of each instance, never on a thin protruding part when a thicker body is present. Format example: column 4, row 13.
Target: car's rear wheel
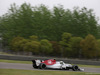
column 75, row 68
column 42, row 66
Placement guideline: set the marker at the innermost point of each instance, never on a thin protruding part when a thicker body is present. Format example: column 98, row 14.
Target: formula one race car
column 53, row 64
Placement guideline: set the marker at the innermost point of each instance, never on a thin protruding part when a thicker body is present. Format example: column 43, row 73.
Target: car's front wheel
column 75, row 68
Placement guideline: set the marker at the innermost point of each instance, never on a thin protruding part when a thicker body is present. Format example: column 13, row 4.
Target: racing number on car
column 49, row 62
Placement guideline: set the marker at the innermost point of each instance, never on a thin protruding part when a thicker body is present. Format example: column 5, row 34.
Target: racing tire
column 34, row 64
column 42, row 66
column 75, row 68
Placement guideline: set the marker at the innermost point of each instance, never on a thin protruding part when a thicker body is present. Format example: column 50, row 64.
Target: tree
column 76, row 49
column 57, row 22
column 17, row 43
column 26, row 20
column 84, row 22
column 65, row 44
column 21, row 44
column 89, row 47
column 34, row 38
column 98, row 41
column 17, row 22
column 56, row 48
column 32, row 46
column 42, row 22
column 46, row 47
column 98, row 27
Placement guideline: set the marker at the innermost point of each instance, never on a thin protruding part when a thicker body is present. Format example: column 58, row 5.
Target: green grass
column 5, row 53
column 16, row 61
column 91, row 66
column 34, row 72
column 29, row 62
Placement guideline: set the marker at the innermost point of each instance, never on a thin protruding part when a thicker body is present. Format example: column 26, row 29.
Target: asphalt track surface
column 4, row 65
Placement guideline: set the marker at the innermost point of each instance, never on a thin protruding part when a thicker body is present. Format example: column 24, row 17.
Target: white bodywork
column 57, row 65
